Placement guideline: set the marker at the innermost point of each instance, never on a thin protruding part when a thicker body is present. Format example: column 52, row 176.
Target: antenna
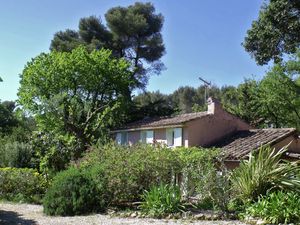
column 206, row 90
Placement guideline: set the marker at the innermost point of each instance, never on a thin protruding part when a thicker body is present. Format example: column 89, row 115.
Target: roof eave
column 148, row 128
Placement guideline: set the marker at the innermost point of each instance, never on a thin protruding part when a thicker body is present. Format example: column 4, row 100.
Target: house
column 190, row 129
column 212, row 128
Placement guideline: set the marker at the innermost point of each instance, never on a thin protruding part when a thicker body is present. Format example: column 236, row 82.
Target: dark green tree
column 132, row 32
column 8, row 118
column 152, row 104
column 242, row 101
column 276, row 31
column 66, row 41
column 184, row 98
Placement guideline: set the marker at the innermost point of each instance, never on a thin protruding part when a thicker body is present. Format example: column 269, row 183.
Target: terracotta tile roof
column 239, row 145
column 164, row 121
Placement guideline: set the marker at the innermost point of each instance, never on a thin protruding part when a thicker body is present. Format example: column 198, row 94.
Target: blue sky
column 202, row 38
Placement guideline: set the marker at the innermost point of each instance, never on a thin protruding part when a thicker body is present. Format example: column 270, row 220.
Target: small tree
column 75, row 96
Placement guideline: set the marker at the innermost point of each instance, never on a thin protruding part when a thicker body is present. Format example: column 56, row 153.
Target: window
column 174, row 137
column 147, row 136
column 122, row 138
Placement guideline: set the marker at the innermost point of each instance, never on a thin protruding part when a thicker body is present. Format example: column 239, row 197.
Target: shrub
column 74, row 192
column 162, row 200
column 262, row 172
column 131, row 170
column 198, row 169
column 103, row 195
column 205, row 176
column 22, row 185
column 205, row 204
column 277, row 207
column 15, row 154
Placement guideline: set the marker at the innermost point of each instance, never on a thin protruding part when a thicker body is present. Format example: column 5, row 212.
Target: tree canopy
column 132, row 32
column 278, row 96
column 276, row 31
column 76, row 95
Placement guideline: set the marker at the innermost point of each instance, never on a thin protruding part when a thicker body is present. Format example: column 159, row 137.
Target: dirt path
column 26, row 214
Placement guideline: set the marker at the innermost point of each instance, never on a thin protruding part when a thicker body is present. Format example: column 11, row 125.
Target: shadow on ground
column 13, row 218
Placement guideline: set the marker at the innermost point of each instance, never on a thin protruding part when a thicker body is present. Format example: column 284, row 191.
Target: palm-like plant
column 264, row 171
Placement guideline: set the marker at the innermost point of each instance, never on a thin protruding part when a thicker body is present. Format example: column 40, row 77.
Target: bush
column 15, row 153
column 262, row 172
column 205, row 204
column 131, row 170
column 204, row 176
column 22, row 185
column 74, row 192
column 277, row 207
column 162, row 200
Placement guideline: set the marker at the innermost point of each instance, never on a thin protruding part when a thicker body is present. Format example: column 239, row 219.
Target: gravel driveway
column 26, row 214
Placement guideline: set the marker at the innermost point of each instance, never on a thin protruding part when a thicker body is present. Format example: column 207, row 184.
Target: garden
column 158, row 182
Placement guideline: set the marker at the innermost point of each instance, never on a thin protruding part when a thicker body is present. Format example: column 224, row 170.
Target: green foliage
column 8, row 119
column 275, row 32
column 53, row 152
column 74, row 192
column 242, row 101
column 15, row 154
column 161, row 200
column 189, row 99
column 276, row 207
column 278, row 95
column 198, row 169
column 22, row 185
column 151, row 104
column 264, row 171
column 132, row 32
column 201, row 176
column 76, row 97
column 205, row 204
column 16, row 149
column 130, row 170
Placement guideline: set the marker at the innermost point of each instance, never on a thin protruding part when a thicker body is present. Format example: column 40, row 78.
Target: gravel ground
column 26, row 214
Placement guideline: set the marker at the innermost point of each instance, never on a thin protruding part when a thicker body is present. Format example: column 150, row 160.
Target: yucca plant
column 161, row 200
column 264, row 171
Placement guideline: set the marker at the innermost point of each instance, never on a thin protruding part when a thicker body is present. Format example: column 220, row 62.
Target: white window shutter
column 169, row 136
column 124, row 138
column 119, row 138
column 143, row 136
column 149, row 136
column 178, row 137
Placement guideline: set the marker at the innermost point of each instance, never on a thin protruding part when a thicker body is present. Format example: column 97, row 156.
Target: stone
column 134, row 214
column 260, row 222
column 199, row 216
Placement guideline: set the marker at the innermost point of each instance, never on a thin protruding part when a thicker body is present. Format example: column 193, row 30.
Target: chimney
column 213, row 106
